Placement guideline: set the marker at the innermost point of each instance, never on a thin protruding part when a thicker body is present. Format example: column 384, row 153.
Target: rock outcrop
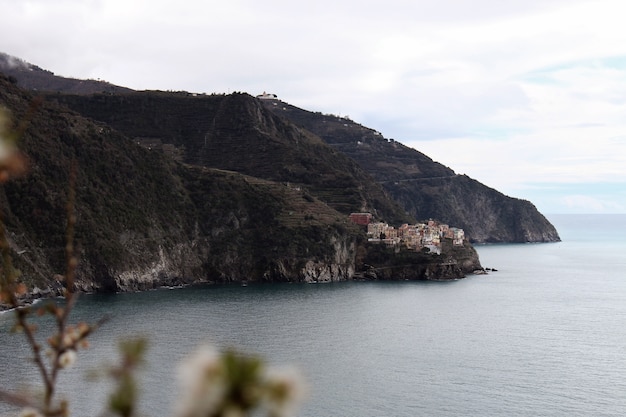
column 382, row 263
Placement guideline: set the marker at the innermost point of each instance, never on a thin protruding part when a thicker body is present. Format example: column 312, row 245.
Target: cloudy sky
column 526, row 96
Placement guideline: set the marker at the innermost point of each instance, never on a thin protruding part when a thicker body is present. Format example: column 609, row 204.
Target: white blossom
column 203, row 384
column 67, row 358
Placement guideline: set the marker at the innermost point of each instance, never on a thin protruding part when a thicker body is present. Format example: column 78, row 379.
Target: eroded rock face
column 486, row 215
column 455, row 262
column 184, row 266
column 314, row 272
column 421, row 272
column 341, row 267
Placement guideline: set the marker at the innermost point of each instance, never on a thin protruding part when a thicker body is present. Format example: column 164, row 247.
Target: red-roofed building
column 362, row 219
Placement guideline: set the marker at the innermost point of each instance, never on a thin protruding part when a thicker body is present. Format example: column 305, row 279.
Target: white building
column 267, row 96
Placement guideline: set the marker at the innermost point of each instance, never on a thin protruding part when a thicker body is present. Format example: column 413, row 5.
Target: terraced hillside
column 425, row 188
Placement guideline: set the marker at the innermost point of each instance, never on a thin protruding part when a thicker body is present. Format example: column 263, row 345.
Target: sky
column 526, row 96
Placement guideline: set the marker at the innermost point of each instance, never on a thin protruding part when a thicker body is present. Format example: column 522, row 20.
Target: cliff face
column 486, row 215
column 191, row 262
column 455, row 262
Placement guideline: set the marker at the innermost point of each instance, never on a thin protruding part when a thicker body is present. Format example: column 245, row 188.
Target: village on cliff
column 414, row 237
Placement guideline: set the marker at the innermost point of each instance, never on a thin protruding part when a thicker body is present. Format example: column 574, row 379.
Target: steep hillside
column 365, row 173
column 424, row 188
column 145, row 220
column 235, row 132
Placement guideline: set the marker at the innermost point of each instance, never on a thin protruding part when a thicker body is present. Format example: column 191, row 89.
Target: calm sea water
column 543, row 336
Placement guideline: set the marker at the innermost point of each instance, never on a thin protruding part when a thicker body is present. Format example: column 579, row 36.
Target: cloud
column 512, row 93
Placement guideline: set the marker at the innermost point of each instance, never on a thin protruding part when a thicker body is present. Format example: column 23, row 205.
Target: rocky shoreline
column 428, row 272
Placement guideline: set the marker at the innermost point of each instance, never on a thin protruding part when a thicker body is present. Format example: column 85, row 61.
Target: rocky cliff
column 383, row 263
column 487, row 215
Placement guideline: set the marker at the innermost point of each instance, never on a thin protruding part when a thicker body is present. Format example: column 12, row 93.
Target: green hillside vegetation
column 140, row 213
column 235, row 132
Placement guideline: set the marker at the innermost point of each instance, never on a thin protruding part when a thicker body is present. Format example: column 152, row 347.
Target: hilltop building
column 267, row 96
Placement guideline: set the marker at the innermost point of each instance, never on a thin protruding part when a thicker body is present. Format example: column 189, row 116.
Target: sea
column 543, row 335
